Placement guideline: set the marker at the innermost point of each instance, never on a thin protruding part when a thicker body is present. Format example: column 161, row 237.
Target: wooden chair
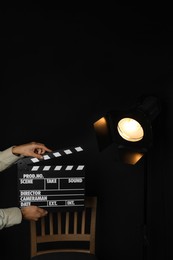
column 65, row 235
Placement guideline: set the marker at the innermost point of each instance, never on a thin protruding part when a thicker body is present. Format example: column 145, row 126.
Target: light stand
column 145, row 213
column 111, row 129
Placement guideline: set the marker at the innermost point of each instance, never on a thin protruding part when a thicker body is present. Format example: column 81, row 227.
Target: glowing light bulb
column 130, row 130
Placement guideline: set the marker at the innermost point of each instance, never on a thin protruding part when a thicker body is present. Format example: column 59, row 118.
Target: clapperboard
column 51, row 186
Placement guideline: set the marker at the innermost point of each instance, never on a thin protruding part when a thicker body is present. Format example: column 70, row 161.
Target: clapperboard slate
column 57, row 186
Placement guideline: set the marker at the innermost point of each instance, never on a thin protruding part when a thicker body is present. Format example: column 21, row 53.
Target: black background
column 62, row 68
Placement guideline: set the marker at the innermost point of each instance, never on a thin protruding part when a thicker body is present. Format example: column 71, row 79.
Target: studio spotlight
column 130, row 130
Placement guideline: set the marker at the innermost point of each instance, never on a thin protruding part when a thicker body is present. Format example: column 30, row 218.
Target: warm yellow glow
column 130, row 130
column 101, row 126
column 132, row 157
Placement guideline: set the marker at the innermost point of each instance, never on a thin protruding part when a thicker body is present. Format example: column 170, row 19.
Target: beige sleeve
column 10, row 217
column 7, row 158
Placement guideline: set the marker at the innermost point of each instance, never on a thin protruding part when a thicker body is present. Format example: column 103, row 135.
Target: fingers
column 33, row 212
column 39, row 150
column 40, row 213
column 42, row 148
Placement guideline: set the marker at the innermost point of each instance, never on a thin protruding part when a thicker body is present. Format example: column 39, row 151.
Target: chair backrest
column 65, row 231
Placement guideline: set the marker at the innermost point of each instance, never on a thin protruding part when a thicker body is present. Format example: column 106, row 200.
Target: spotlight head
column 130, row 130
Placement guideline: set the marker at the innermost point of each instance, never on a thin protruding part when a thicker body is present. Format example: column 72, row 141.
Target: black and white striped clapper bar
column 51, row 186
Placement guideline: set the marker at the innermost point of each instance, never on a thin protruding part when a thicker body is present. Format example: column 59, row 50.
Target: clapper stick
column 51, row 155
column 51, row 186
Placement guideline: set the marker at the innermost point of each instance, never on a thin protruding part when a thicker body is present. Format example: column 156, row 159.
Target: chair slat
column 59, row 223
column 43, row 226
column 67, row 223
column 75, row 222
column 51, row 223
column 83, row 223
